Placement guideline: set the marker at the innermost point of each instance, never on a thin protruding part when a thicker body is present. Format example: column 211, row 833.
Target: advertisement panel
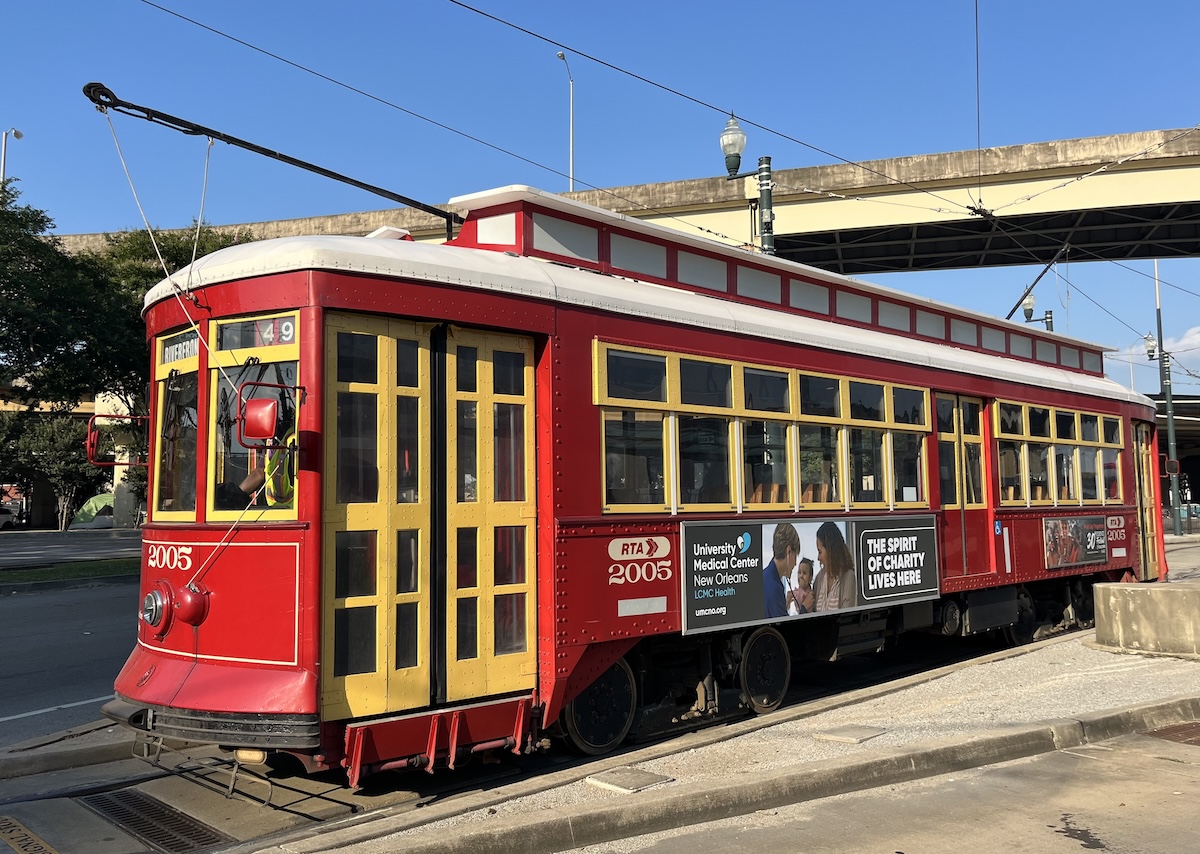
column 767, row 571
column 1076, row 541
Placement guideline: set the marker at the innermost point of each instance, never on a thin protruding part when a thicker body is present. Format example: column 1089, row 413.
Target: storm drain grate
column 150, row 820
column 1182, row 733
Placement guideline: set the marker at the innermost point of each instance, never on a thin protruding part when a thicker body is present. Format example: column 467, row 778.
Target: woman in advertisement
column 836, row 585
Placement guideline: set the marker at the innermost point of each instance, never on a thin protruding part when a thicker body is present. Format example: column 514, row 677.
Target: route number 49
column 632, row 573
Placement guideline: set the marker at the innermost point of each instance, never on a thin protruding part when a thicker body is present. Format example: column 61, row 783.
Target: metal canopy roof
column 1168, row 230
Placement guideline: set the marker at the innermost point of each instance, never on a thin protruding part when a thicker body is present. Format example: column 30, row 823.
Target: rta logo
column 1116, row 522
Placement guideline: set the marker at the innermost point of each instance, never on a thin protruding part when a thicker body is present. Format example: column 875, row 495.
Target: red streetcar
column 573, row 474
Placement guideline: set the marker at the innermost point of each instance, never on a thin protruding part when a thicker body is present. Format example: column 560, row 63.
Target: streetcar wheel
column 598, row 720
column 1083, row 604
column 765, row 671
column 1021, row 632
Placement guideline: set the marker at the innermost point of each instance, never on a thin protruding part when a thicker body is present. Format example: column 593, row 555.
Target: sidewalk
column 1009, row 706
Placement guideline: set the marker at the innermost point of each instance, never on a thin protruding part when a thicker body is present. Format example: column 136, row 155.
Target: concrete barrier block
column 1156, row 619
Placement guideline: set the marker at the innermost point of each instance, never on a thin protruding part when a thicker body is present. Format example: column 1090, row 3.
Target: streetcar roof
column 527, row 277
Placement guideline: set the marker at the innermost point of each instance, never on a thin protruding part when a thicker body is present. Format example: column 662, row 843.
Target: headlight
column 152, row 608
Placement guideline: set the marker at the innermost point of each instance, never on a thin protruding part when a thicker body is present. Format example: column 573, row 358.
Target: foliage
column 52, row 445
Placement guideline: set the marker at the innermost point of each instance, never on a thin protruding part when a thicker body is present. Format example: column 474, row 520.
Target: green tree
column 52, row 446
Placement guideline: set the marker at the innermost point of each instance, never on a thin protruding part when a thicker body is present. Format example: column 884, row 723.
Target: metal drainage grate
column 1182, row 733
column 150, row 820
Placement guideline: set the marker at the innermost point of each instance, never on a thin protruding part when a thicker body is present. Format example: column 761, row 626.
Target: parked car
column 8, row 518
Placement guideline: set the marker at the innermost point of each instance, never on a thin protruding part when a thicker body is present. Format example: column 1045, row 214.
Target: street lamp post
column 571, row 143
column 1164, row 379
column 733, row 143
column 1047, row 318
column 16, row 134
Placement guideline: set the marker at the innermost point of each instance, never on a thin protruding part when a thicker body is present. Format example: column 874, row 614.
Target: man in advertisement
column 782, row 592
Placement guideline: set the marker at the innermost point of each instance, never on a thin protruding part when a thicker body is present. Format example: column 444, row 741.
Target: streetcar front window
column 255, row 477
column 177, row 444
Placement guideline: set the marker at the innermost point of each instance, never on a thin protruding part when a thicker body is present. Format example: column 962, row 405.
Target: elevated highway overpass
column 1121, row 197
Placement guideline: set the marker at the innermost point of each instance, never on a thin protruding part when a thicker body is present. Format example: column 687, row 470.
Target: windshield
column 261, row 477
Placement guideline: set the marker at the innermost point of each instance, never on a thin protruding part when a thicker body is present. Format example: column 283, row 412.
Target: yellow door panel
column 377, row 651
column 490, row 607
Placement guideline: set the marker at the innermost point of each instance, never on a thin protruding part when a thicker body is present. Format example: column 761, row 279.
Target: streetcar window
column 1112, row 480
column 1112, row 431
column 508, row 372
column 1039, row 471
column 820, row 396
column 1039, row 422
column 945, row 415
column 466, row 362
column 467, row 569
column 509, row 459
column 467, row 613
column 235, row 468
column 637, row 376
column 908, row 406
column 510, row 554
column 408, row 437
column 866, row 401
column 408, row 365
column 866, row 465
column 407, row 561
column 1011, row 478
column 468, row 451
column 766, row 391
column 973, row 473
column 634, row 470
column 705, row 384
column 970, row 411
column 177, row 443
column 948, row 473
column 353, row 564
column 407, row 634
column 1064, row 459
column 357, row 358
column 765, row 448
column 357, row 474
column 1064, row 424
column 353, row 641
column 908, row 467
column 509, row 625
column 703, row 460
column 1011, row 421
column 1089, row 428
column 1089, row 487
column 818, row 464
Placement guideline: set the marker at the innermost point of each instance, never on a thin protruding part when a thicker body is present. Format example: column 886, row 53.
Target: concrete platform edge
column 62, row 751
column 674, row 807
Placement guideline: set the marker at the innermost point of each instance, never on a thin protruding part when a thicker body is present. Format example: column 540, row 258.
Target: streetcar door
column 377, row 587
column 966, row 545
column 1149, row 515
column 489, row 614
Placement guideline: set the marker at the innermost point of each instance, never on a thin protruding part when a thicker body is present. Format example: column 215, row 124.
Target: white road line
column 56, row 708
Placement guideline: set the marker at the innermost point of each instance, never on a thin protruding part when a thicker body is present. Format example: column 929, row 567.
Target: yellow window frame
column 162, row 371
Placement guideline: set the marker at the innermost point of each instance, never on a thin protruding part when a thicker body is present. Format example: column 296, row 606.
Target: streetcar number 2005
column 169, row 557
column 635, row 571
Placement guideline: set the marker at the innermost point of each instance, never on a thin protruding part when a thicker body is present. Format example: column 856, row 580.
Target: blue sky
column 862, row 79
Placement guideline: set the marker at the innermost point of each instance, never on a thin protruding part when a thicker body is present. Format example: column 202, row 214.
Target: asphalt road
column 62, row 650
column 43, row 548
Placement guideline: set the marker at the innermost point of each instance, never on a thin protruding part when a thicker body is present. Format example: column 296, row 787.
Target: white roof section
column 513, row 274
column 550, row 201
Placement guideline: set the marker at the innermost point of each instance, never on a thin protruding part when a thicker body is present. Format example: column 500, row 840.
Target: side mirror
column 258, row 419
column 1171, row 466
column 114, row 444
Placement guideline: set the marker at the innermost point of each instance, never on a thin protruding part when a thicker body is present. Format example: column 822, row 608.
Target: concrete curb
column 670, row 808
column 88, row 744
